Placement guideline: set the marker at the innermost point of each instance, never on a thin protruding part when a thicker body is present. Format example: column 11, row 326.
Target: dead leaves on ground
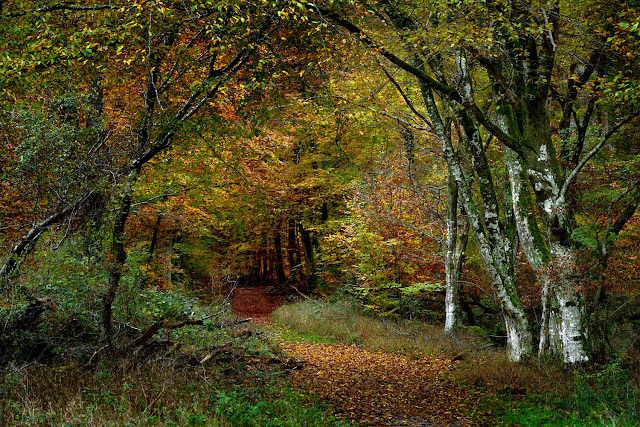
column 379, row 389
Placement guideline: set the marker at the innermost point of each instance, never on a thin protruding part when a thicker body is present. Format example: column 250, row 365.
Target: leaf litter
column 380, row 389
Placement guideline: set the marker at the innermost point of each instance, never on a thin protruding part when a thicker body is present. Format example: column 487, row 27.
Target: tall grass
column 343, row 321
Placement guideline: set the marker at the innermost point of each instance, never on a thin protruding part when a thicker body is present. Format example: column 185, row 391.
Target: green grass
column 273, row 405
column 342, row 321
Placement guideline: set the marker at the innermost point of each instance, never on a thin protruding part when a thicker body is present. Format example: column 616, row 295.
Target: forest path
column 379, row 389
column 257, row 303
column 369, row 388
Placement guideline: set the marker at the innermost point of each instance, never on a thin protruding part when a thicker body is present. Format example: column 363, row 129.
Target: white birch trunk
column 454, row 258
column 492, row 242
column 495, row 259
column 453, row 317
column 535, row 250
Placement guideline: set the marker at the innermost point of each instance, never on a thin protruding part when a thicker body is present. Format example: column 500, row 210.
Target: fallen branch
column 169, row 324
column 301, row 294
column 29, row 317
column 218, row 350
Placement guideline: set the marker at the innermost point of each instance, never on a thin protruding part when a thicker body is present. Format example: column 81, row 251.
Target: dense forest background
column 471, row 165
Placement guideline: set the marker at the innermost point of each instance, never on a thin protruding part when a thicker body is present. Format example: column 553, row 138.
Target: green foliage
column 166, row 303
column 605, row 396
column 274, row 405
column 71, row 279
column 398, row 300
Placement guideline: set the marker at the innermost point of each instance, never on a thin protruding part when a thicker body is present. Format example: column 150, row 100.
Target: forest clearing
column 344, row 212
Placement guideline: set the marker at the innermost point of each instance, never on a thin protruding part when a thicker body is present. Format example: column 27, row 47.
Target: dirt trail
column 371, row 389
column 256, row 302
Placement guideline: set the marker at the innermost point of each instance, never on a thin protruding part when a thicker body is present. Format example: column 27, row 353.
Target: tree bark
column 154, row 236
column 536, row 251
column 119, row 254
column 310, row 258
column 456, row 244
column 293, row 254
column 493, row 244
column 279, row 261
column 543, row 172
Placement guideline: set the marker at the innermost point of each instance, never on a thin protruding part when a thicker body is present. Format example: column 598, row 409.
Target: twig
column 302, row 295
column 94, row 354
column 164, row 387
column 214, row 353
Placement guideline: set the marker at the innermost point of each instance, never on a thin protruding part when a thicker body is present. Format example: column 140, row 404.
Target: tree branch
column 443, row 89
column 593, row 152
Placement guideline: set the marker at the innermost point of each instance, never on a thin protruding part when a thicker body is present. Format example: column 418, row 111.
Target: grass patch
column 493, row 371
column 342, row 321
column 289, row 334
column 283, row 407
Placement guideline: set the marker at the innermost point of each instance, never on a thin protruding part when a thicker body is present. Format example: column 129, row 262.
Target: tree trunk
column 293, row 254
column 454, row 258
column 573, row 328
column 119, row 254
column 539, row 163
column 154, row 236
column 279, row 262
column 168, row 266
column 493, row 244
column 310, row 258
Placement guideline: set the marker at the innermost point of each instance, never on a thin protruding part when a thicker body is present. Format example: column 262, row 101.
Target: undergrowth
column 604, row 396
column 242, row 386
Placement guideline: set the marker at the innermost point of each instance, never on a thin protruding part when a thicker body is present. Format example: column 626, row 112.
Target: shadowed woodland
column 335, row 213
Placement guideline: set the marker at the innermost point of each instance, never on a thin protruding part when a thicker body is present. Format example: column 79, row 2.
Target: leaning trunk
column 29, row 240
column 493, row 244
column 119, row 254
